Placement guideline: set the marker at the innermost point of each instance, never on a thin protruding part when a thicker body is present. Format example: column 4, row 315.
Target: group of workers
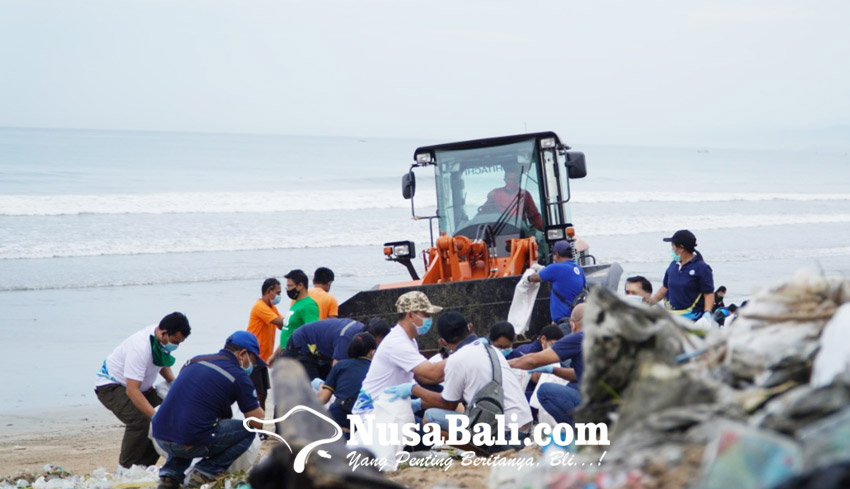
column 356, row 364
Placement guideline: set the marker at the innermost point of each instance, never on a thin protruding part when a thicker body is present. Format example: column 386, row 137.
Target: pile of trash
column 762, row 403
column 54, row 477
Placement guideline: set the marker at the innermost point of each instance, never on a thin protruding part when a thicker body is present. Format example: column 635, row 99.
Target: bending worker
column 194, row 420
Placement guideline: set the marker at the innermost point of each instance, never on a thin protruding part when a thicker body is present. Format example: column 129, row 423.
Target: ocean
column 105, row 232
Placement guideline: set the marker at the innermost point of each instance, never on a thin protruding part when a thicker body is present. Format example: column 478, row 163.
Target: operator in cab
column 501, row 198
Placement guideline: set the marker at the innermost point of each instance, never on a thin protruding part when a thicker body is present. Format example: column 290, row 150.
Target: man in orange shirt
column 499, row 199
column 322, row 280
column 264, row 321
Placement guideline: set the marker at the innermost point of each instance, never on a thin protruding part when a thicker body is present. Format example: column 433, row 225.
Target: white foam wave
column 654, row 224
column 206, row 202
column 321, row 200
column 635, row 197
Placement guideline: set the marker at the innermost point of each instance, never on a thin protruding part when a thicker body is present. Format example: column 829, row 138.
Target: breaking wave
column 324, row 200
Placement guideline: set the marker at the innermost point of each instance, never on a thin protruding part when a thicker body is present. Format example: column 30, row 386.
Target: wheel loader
column 502, row 203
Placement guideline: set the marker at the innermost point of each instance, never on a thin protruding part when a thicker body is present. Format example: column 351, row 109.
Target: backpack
column 490, row 399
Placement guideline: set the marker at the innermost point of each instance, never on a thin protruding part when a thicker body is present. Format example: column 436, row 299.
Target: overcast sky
column 720, row 73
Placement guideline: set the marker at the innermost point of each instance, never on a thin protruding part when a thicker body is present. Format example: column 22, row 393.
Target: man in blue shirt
column 546, row 338
column 567, row 280
column 321, row 344
column 688, row 281
column 194, row 420
column 559, row 400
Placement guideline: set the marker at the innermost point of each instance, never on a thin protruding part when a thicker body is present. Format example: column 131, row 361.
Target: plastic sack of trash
column 385, row 413
column 748, row 458
column 241, row 464
column 522, row 304
column 833, row 358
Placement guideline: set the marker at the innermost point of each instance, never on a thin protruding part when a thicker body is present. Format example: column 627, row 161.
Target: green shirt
column 301, row 312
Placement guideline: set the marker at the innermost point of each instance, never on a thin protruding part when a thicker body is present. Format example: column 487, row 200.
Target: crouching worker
column 559, row 400
column 193, row 420
column 471, row 369
column 347, row 376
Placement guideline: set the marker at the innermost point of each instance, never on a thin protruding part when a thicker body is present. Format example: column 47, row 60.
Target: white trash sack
column 385, row 413
column 522, row 304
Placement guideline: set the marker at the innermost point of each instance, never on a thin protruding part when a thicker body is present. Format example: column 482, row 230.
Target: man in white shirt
column 397, row 359
column 468, row 369
column 125, row 381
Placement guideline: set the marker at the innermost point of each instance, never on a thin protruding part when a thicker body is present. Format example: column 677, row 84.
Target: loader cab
column 499, row 189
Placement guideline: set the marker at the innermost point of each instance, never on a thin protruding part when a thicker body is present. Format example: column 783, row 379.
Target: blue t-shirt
column 525, row 349
column 567, row 281
column 347, row 376
column 569, row 348
column 328, row 338
column 686, row 283
column 200, row 396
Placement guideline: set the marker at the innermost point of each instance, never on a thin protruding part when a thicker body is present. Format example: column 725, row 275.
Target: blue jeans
column 559, row 400
column 230, row 440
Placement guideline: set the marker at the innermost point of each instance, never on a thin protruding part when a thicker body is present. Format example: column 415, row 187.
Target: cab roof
column 483, row 143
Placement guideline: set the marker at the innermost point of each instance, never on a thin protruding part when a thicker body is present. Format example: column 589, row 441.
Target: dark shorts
column 261, row 380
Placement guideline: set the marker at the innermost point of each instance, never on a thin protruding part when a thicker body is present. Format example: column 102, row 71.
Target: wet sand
column 79, row 447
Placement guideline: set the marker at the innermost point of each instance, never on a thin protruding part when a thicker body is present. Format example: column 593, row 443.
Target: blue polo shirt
column 200, row 396
column 347, row 376
column 525, row 349
column 685, row 283
column 569, row 348
column 328, row 338
column 567, row 281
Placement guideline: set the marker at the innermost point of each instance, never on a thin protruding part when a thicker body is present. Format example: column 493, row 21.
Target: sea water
column 104, row 232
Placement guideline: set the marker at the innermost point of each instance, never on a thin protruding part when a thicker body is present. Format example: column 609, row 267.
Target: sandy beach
column 80, row 445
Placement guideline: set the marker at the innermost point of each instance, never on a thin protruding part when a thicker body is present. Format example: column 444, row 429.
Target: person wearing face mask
column 263, row 322
column 545, row 339
column 194, row 420
column 688, row 282
column 502, row 337
column 567, row 278
column 303, row 309
column 397, row 359
column 125, row 381
column 468, row 369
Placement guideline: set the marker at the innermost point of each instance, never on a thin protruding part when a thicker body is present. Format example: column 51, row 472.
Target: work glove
column 317, row 383
column 416, row 404
column 546, row 369
column 401, row 391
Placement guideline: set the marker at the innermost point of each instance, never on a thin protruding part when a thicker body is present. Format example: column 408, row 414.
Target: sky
column 741, row 73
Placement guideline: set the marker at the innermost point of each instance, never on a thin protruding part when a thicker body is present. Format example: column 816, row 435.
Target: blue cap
column 563, row 248
column 247, row 340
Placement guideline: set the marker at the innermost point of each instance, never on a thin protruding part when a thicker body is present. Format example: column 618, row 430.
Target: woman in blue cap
column 689, row 281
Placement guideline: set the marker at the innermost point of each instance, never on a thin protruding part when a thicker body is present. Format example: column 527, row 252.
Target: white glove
column 537, row 267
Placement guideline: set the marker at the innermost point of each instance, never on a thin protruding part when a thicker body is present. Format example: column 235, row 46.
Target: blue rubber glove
column 416, row 404
column 546, row 369
column 317, row 383
column 401, row 391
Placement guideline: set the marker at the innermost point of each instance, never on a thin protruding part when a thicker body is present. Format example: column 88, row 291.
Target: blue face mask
column 676, row 258
column 276, row 300
column 426, row 326
column 249, row 368
column 170, row 347
column 506, row 351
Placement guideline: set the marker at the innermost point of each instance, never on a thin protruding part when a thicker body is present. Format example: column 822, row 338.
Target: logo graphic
column 301, row 458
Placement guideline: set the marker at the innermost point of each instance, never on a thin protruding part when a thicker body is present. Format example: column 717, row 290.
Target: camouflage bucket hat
column 416, row 301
